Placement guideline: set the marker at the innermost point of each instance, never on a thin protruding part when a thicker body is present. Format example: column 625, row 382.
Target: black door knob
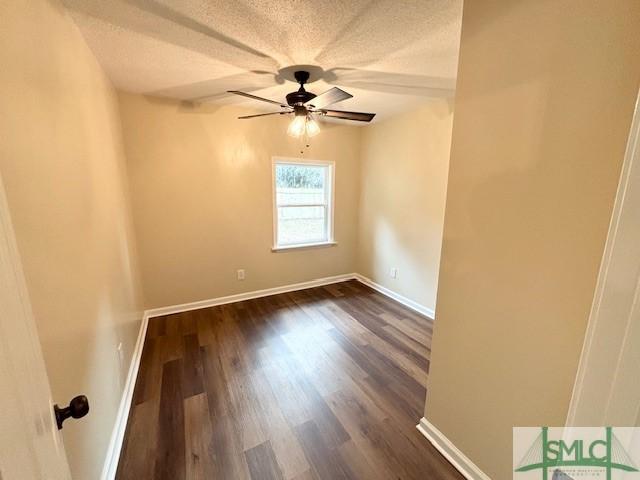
column 78, row 408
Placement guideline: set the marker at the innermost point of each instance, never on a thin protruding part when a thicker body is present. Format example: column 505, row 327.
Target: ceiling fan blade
column 248, row 95
column 263, row 114
column 334, row 95
column 358, row 116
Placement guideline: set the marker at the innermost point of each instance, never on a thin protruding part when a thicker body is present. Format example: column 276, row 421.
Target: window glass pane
column 300, row 184
column 301, row 225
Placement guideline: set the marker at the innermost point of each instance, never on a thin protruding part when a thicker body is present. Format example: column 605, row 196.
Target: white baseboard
column 458, row 459
column 212, row 302
column 429, row 312
column 117, row 436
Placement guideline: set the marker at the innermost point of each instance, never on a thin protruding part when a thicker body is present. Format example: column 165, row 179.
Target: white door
column 607, row 390
column 30, row 444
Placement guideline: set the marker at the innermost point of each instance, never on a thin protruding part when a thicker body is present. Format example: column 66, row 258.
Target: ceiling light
column 297, row 126
column 303, row 124
column 312, row 126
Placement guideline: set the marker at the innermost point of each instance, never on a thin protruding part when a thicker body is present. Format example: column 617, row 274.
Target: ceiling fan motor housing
column 301, row 96
column 302, row 103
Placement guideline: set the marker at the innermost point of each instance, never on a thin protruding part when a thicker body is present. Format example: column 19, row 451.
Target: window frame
column 329, row 199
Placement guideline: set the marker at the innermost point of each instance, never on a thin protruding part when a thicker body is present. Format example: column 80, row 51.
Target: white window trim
column 330, row 197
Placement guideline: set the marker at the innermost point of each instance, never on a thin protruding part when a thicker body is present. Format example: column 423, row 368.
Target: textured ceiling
column 389, row 54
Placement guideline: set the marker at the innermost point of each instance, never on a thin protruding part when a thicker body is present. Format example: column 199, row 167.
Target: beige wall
column 405, row 162
column 63, row 168
column 543, row 107
column 202, row 199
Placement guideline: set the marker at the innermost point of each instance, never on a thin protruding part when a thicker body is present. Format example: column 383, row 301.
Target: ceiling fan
column 304, row 105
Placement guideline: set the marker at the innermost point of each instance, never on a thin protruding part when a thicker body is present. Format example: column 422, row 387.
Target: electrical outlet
column 240, row 274
column 393, row 272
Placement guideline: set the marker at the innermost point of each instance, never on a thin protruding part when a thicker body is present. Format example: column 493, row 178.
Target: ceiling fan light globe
column 297, row 126
column 312, row 127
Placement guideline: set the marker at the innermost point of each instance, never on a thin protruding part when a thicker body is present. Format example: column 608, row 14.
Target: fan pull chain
column 304, row 143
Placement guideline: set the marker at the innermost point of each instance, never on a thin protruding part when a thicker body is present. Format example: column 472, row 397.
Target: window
column 303, row 203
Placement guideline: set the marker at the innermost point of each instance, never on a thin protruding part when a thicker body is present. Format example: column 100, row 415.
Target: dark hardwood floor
column 326, row 383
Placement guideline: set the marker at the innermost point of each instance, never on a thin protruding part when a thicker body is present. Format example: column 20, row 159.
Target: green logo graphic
column 607, row 453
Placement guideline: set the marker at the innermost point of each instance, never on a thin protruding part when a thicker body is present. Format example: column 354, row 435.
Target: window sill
column 303, row 246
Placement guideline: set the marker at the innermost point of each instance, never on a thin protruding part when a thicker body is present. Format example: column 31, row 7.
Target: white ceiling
column 389, row 54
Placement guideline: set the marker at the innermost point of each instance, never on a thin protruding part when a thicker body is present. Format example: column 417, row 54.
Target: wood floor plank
column 228, row 457
column 412, row 362
column 381, row 368
column 421, row 333
column 174, row 323
column 170, row 456
column 139, row 446
column 334, row 290
column 359, row 465
column 198, row 438
column 287, row 450
column 262, row 463
column 156, row 327
column 228, row 452
column 308, row 303
column 170, row 347
column 411, row 452
column 325, row 461
column 343, row 364
column 214, row 383
column 408, row 375
column 205, row 320
column 289, row 454
column 422, row 323
column 150, row 372
column 416, row 347
column 324, row 419
column 308, row 475
column 323, row 383
column 244, row 410
column 291, row 397
column 397, row 309
column 188, row 325
column 401, row 407
column 318, row 366
column 284, row 317
column 364, row 424
column 346, row 324
column 192, row 366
